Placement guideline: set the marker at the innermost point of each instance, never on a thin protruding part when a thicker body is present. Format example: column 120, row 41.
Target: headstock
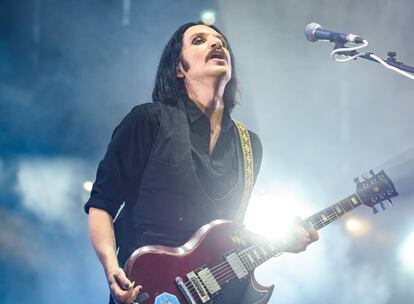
column 375, row 189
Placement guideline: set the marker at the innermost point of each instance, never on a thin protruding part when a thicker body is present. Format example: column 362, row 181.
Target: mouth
column 216, row 54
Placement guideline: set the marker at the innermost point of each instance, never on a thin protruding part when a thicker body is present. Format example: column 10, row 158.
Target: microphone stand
column 391, row 60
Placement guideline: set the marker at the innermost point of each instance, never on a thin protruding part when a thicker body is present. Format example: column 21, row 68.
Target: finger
column 314, row 235
column 134, row 295
column 123, row 280
column 120, row 295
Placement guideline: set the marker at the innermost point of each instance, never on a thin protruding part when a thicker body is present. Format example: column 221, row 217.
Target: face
column 204, row 54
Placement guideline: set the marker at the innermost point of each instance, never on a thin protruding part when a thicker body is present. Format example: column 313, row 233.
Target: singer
column 177, row 162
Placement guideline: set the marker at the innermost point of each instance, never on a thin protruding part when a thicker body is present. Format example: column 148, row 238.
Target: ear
column 179, row 71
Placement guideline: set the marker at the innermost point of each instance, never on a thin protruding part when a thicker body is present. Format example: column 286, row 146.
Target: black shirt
column 120, row 171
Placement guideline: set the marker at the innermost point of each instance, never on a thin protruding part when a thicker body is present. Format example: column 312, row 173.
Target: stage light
column 407, row 252
column 357, row 226
column 353, row 225
column 87, row 186
column 208, row 17
column 272, row 212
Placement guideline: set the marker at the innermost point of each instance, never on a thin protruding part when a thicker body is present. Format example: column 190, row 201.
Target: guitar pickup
column 237, row 265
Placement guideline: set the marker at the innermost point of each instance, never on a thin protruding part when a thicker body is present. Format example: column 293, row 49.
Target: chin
column 221, row 71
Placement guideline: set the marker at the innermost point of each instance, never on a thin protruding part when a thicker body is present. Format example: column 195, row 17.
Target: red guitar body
column 156, row 268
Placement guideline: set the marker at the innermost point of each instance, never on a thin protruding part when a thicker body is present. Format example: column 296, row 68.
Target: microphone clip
column 341, row 45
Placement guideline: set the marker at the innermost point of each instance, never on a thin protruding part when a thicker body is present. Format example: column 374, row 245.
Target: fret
column 332, row 213
column 258, row 254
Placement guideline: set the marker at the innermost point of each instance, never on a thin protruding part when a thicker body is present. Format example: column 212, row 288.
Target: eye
column 224, row 43
column 198, row 40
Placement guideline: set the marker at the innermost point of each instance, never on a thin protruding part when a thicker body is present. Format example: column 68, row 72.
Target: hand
column 300, row 238
column 122, row 289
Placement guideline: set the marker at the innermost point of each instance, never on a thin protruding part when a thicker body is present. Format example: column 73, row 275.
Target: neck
column 207, row 94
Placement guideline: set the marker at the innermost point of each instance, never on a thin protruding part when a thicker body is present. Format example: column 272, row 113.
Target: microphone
column 315, row 32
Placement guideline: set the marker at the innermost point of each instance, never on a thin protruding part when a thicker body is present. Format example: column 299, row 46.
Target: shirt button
column 219, row 170
column 180, row 218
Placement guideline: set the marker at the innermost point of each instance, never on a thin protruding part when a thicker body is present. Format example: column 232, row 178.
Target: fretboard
column 259, row 253
column 332, row 213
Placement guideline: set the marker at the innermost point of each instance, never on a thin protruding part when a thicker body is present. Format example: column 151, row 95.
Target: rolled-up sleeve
column 119, row 172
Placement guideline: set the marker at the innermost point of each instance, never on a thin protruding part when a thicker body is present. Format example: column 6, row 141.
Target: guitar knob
column 142, row 297
column 374, row 210
column 356, row 180
column 372, row 172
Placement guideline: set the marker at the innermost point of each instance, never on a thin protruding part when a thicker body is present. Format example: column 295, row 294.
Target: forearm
column 101, row 233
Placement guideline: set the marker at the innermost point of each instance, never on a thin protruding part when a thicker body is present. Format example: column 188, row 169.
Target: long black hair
column 168, row 87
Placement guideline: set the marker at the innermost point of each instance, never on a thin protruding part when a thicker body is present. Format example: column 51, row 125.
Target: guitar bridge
column 209, row 281
column 198, row 285
column 184, row 290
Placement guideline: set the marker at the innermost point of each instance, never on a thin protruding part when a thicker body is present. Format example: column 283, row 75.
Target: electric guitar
column 212, row 267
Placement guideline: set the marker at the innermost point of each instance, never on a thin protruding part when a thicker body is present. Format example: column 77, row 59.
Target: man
column 175, row 162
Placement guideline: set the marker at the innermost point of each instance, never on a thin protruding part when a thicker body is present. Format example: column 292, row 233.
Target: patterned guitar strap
column 248, row 171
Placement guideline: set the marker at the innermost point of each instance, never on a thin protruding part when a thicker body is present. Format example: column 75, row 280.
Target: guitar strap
column 248, row 170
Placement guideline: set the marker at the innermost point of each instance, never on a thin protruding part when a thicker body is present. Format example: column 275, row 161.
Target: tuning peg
column 390, row 202
column 382, row 206
column 372, row 172
column 374, row 210
column 364, row 176
column 356, row 180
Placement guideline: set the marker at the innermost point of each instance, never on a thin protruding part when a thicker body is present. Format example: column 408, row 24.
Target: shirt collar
column 194, row 113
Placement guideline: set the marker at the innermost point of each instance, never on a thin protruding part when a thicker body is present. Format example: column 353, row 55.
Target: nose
column 216, row 43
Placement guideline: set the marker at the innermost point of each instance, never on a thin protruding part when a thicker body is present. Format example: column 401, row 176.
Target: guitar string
column 318, row 221
column 226, row 271
column 230, row 274
column 218, row 273
column 218, row 269
column 222, row 273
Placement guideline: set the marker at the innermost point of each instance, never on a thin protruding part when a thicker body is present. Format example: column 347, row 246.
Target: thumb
column 135, row 294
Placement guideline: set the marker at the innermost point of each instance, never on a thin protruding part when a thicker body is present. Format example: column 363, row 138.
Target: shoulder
column 143, row 114
column 141, row 118
column 145, row 111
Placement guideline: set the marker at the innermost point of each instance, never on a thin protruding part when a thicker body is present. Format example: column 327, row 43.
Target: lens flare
column 87, row 186
column 208, row 17
column 357, row 226
column 272, row 212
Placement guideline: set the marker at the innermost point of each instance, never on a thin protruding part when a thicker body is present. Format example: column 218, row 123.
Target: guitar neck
column 259, row 253
column 332, row 213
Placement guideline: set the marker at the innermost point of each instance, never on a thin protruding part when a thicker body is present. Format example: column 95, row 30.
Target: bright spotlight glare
column 353, row 225
column 271, row 213
column 407, row 252
column 357, row 227
column 87, row 186
column 208, row 17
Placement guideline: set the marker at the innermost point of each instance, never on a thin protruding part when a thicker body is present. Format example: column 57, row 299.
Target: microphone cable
column 338, row 55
